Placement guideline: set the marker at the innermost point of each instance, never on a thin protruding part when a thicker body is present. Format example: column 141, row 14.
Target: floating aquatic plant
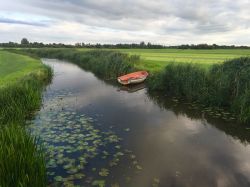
column 72, row 141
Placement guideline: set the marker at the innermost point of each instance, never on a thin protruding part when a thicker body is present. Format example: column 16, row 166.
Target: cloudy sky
column 125, row 21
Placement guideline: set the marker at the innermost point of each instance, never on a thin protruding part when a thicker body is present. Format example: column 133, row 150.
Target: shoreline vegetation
column 22, row 81
column 224, row 86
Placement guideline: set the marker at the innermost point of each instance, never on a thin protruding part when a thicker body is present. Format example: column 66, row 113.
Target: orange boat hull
column 133, row 78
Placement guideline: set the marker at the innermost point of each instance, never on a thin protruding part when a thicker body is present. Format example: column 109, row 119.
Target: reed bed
column 105, row 64
column 225, row 85
column 22, row 162
column 18, row 100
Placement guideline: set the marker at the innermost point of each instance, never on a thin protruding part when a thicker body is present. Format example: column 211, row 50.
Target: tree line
column 142, row 45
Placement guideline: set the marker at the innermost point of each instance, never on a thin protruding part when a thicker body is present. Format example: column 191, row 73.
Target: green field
column 157, row 59
column 14, row 66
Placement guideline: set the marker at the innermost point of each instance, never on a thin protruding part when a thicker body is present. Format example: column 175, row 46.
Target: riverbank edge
column 223, row 87
column 22, row 160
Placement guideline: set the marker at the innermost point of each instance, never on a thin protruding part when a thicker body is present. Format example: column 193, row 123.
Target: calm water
column 97, row 133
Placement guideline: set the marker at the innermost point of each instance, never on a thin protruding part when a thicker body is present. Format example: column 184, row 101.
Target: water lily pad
column 105, row 153
column 79, row 175
column 119, row 154
column 156, row 180
column 127, row 129
column 132, row 156
column 115, row 185
column 72, row 170
column 104, row 172
column 99, row 183
column 138, row 167
column 68, row 184
column 128, row 179
column 118, row 147
column 58, row 178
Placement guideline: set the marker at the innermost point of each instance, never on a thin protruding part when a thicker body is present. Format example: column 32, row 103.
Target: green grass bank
column 22, row 80
column 222, row 85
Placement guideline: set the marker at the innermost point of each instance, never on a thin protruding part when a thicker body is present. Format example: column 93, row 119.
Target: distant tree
column 24, row 41
column 149, row 45
column 77, row 44
column 142, row 44
column 97, row 45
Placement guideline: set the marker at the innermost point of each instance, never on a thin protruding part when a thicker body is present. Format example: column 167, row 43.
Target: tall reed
column 225, row 85
column 19, row 99
column 104, row 63
column 22, row 162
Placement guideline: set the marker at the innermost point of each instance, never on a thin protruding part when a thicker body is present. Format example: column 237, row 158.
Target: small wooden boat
column 133, row 78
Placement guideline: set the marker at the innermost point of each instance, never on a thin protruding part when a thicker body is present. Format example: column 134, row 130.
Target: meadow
column 156, row 60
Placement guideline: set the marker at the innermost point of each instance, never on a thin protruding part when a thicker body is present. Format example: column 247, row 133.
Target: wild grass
column 18, row 100
column 225, row 85
column 182, row 80
column 22, row 80
column 105, row 64
column 21, row 160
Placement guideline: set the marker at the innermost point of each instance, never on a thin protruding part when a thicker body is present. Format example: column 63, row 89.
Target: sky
column 167, row 22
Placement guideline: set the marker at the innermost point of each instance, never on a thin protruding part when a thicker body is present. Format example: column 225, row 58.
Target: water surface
column 97, row 133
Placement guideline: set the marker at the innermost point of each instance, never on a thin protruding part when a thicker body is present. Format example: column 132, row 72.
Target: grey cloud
column 13, row 21
column 162, row 17
column 121, row 14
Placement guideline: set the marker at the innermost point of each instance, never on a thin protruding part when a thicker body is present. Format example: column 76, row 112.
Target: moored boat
column 133, row 78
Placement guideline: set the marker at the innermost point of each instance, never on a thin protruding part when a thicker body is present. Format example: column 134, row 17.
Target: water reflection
column 230, row 127
column 132, row 88
column 175, row 145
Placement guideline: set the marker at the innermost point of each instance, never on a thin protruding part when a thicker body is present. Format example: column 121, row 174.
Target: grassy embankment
column 21, row 82
column 208, row 80
column 105, row 64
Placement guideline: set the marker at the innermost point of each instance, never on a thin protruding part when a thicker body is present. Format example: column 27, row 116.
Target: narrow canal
column 99, row 134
